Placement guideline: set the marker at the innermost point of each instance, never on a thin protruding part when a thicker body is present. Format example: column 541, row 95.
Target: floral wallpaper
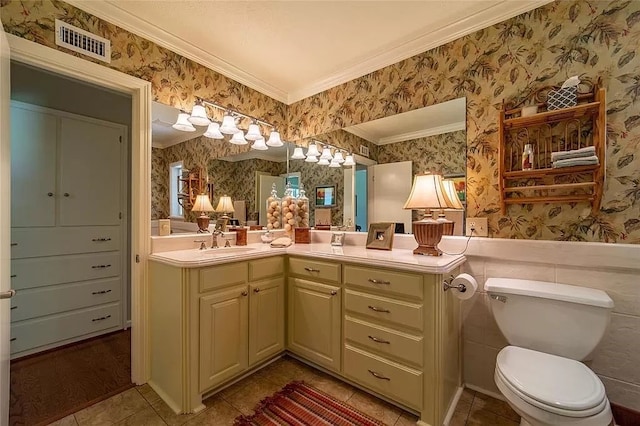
column 159, row 185
column 506, row 62
column 510, row 61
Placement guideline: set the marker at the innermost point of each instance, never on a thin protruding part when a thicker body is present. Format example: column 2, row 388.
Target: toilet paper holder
column 446, row 285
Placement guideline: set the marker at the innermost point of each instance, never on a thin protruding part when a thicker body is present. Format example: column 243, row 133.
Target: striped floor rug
column 299, row 404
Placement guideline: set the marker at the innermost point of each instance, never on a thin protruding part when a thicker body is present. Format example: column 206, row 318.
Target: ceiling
column 290, row 50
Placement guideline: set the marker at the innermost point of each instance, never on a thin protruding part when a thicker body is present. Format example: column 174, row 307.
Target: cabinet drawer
column 223, row 276
column 314, row 269
column 399, row 283
column 403, row 346
column 393, row 311
column 42, row 301
column 44, row 271
column 47, row 330
column 393, row 380
column 36, row 242
column 266, row 268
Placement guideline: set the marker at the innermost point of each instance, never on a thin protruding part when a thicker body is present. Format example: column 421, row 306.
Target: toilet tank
column 559, row 319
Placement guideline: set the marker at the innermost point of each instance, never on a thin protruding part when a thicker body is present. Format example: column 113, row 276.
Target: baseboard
column 624, row 416
column 453, row 406
column 486, row 392
column 175, row 407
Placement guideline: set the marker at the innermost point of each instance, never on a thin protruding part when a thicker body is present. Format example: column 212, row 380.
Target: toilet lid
column 550, row 380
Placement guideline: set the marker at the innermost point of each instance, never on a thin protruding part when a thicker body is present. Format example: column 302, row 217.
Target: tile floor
column 141, row 406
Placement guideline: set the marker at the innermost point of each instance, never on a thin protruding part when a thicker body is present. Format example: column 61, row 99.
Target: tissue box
column 562, row 98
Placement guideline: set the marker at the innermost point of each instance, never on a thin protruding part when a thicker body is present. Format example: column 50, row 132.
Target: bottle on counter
column 274, row 210
column 527, row 157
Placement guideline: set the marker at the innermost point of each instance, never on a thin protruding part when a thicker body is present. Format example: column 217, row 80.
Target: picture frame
column 337, row 239
column 221, row 224
column 380, row 236
column 326, row 196
column 460, row 183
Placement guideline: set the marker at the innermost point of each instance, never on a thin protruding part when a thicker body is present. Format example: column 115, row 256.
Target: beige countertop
column 397, row 258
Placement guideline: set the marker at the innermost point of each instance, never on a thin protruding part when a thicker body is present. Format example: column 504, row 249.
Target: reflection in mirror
column 400, row 146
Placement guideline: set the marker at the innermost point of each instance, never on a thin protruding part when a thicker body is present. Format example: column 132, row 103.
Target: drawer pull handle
column 101, row 239
column 13, row 339
column 66, row 194
column 101, row 318
column 13, row 276
column 311, row 269
column 14, row 307
column 14, row 244
column 374, row 281
column 101, row 266
column 376, row 309
column 378, row 340
column 333, row 292
column 256, row 290
column 102, row 292
column 378, row 375
column 244, row 293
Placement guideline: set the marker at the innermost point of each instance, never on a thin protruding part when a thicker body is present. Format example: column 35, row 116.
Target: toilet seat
column 551, row 383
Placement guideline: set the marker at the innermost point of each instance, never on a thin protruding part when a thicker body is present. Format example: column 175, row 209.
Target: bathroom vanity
column 379, row 320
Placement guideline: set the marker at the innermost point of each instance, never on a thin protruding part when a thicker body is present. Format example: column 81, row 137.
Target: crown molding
column 447, row 128
column 386, row 56
column 115, row 15
column 361, row 133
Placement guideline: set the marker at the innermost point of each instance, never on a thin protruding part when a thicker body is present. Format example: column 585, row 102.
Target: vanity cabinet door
column 266, row 319
column 223, row 335
column 314, row 322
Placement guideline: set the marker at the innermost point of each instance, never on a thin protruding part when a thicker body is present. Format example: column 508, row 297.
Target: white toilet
column 551, row 327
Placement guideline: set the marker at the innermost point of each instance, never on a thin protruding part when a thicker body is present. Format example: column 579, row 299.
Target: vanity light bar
column 335, row 160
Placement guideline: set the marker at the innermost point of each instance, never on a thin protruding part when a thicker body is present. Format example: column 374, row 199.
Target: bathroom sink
column 226, row 251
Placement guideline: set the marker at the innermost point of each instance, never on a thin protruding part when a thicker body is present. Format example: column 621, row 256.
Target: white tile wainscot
column 614, row 268
column 192, row 289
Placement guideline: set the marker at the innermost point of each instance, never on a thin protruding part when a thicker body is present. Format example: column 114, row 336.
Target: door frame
column 37, row 55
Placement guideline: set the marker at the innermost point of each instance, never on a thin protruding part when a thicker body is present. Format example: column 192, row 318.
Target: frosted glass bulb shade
column 326, row 154
column 313, row 151
column 238, row 139
column 274, row 140
column 323, row 162
column 311, row 159
column 334, row 164
column 298, row 154
column 199, row 116
column 213, row 131
column 183, row 123
column 253, row 134
column 348, row 161
column 228, row 126
column 337, row 157
column 259, row 145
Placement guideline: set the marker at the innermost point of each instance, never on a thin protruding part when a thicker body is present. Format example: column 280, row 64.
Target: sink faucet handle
column 227, row 243
column 203, row 244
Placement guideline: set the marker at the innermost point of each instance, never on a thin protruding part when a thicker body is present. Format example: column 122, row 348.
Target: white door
column 264, row 190
column 5, row 225
column 389, row 188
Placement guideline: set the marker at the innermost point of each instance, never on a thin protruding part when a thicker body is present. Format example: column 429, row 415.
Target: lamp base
column 203, row 224
column 428, row 234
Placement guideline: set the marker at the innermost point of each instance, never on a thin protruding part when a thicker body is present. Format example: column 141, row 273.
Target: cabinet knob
column 333, row 292
column 49, row 194
column 66, row 194
column 244, row 293
column 256, row 290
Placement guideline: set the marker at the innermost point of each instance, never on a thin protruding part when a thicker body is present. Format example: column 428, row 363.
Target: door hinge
column 137, row 258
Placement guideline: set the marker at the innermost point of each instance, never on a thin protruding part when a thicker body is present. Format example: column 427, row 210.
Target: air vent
column 364, row 150
column 81, row 41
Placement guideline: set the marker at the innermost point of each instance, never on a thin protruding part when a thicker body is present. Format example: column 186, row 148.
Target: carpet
column 53, row 384
column 299, row 404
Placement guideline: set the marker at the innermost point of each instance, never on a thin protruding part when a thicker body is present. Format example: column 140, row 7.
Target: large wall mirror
column 426, row 139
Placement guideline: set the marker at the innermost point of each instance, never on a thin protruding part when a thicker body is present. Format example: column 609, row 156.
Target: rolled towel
column 582, row 161
column 575, row 153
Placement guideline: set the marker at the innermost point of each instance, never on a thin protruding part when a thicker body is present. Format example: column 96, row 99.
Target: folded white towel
column 575, row 153
column 582, row 161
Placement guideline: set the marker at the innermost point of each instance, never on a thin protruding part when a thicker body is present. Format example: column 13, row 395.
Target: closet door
column 90, row 173
column 33, row 168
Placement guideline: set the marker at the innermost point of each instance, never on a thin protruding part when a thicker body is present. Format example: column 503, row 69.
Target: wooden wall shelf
column 552, row 131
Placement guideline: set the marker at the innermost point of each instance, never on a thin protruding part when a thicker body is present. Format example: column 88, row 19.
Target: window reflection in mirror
column 400, row 146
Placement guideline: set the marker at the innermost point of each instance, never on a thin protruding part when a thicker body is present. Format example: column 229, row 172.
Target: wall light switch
column 480, row 226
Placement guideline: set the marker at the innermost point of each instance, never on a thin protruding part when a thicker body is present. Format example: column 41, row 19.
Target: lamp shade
column 452, row 194
column 199, row 116
column 213, row 131
column 238, row 139
column 337, row 157
column 259, row 145
column 202, row 204
column 228, row 126
column 274, row 140
column 297, row 154
column 183, row 123
column 323, row 162
column 427, row 193
column 348, row 161
column 326, row 154
column 311, row 159
column 334, row 163
column 313, row 150
column 253, row 134
column 225, row 205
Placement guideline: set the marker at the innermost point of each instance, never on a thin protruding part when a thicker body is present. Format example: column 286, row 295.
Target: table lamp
column 225, row 205
column 427, row 193
column 454, row 203
column 202, row 205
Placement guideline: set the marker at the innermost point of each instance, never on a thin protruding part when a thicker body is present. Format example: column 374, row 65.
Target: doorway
column 360, row 189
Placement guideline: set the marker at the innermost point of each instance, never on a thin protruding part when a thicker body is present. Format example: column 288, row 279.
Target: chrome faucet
column 214, row 239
